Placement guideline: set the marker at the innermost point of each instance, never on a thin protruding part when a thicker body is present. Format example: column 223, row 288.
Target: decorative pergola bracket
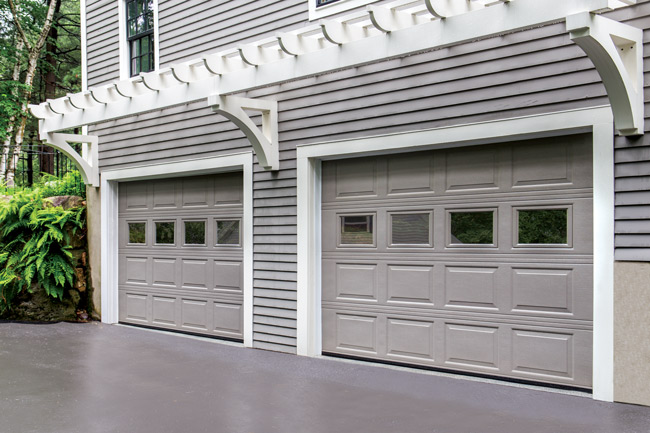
column 616, row 49
column 87, row 162
column 264, row 140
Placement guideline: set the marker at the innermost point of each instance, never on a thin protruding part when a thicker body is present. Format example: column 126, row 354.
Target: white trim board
column 598, row 121
column 110, row 181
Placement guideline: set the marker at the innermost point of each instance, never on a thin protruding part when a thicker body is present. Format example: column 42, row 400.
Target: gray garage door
column 180, row 258
column 475, row 259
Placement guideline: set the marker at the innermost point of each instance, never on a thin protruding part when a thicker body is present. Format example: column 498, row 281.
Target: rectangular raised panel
column 543, row 353
column 476, row 346
column 357, row 177
column 195, row 274
column 410, row 284
column 542, row 290
column 136, row 307
column 227, row 318
column 227, row 275
column 136, row 270
column 164, row 272
column 470, row 169
column 356, row 281
column 164, row 311
column 194, row 315
column 228, row 189
column 164, row 194
column 356, row 333
column 136, row 196
column 410, row 174
column 195, row 193
column 473, row 287
column 410, row 339
column 547, row 164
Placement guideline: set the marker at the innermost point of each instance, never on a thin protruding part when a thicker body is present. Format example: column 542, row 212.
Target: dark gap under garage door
column 476, row 259
column 180, row 256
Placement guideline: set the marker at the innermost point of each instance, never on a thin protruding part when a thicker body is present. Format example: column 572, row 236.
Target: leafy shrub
column 35, row 246
column 70, row 184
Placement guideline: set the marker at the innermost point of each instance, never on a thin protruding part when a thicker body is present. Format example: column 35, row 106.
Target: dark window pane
column 165, row 233
column 543, row 226
column 132, row 28
column 410, row 229
column 132, row 10
column 228, row 232
column 472, row 227
column 137, row 233
column 324, row 2
column 357, row 230
column 194, row 232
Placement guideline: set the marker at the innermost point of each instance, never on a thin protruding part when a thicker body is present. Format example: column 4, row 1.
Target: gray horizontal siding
column 103, row 42
column 523, row 73
column 189, row 29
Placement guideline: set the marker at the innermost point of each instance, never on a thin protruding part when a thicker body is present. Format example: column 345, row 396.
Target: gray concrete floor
column 77, row 378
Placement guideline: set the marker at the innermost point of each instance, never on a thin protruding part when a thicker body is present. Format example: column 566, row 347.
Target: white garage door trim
column 598, row 121
column 109, row 215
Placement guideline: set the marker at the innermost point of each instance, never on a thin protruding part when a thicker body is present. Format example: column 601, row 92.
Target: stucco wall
column 94, row 248
column 632, row 332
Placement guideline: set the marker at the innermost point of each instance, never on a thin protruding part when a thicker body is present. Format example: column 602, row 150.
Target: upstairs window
column 324, row 2
column 140, row 35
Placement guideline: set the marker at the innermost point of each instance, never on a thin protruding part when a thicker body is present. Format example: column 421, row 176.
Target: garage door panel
column 509, row 295
column 408, row 284
column 408, row 174
column 409, row 340
column 164, row 310
column 185, row 281
column 479, row 169
column 471, row 287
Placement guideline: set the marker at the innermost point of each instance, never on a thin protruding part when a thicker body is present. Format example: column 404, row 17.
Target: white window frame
column 598, row 121
column 110, row 181
column 316, row 13
column 125, row 61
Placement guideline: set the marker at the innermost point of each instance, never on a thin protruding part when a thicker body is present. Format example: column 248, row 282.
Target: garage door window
column 194, row 232
column 228, row 232
column 542, row 226
column 165, row 233
column 357, row 230
column 472, row 228
column 413, row 229
column 138, row 233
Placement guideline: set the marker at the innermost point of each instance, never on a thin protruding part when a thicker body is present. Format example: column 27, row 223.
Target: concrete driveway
column 78, row 378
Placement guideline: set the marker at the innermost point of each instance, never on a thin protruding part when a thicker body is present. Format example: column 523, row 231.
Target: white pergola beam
column 226, row 73
column 616, row 49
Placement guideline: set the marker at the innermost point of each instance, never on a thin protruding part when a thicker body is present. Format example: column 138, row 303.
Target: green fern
column 34, row 246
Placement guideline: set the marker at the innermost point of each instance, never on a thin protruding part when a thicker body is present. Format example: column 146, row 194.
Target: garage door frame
column 597, row 120
column 110, row 180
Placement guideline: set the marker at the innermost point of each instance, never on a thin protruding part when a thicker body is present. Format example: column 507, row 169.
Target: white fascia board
column 483, row 23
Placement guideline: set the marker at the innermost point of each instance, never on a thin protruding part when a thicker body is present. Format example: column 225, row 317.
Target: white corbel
column 447, row 8
column 616, row 49
column 87, row 162
column 264, row 140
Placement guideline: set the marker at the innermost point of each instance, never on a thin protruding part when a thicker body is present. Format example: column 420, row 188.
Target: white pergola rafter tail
column 87, row 162
column 616, row 49
column 265, row 140
column 379, row 33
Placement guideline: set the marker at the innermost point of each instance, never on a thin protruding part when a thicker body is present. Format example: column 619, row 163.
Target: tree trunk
column 46, row 153
column 7, row 144
column 32, row 61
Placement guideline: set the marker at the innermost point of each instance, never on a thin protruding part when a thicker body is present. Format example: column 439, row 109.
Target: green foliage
column 34, row 246
column 11, row 102
column 70, row 184
column 543, row 226
column 473, row 227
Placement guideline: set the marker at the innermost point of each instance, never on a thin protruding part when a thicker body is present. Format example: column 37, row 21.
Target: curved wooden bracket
column 616, row 49
column 87, row 161
column 264, row 140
